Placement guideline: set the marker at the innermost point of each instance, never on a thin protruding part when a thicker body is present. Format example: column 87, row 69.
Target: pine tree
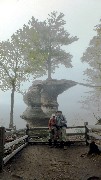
column 52, row 39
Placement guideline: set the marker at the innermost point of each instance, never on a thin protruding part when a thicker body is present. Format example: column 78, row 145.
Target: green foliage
column 92, row 56
column 12, row 65
column 44, row 40
column 34, row 49
column 31, row 50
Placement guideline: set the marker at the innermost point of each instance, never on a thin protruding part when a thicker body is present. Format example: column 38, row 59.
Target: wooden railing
column 93, row 133
column 8, row 150
column 40, row 134
column 36, row 137
column 21, row 142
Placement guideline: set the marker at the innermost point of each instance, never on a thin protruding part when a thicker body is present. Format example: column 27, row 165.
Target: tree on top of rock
column 52, row 37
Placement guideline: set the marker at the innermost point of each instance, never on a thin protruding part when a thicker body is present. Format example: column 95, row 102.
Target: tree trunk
column 12, row 107
column 49, row 60
column 49, row 69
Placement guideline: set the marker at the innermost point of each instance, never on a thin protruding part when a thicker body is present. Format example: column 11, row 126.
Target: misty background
column 81, row 18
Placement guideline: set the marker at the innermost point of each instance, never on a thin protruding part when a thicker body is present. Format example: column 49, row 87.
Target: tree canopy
column 12, row 66
column 52, row 36
column 92, row 56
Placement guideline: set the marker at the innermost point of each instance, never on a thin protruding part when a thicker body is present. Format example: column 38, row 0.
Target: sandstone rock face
column 41, row 99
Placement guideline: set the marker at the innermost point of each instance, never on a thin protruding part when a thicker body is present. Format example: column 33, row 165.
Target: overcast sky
column 81, row 17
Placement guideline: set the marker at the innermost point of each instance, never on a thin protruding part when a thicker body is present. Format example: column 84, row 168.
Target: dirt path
column 43, row 163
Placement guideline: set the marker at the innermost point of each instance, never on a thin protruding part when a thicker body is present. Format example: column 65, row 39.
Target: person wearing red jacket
column 52, row 131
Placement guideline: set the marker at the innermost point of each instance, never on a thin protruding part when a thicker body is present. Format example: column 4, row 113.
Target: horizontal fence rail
column 7, row 145
column 9, row 149
column 8, row 157
column 94, row 127
column 36, row 137
column 93, row 133
column 95, row 136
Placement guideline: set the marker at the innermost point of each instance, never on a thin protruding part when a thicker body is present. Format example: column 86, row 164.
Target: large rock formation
column 41, row 100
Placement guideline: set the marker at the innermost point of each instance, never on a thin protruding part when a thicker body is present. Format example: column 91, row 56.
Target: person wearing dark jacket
column 61, row 124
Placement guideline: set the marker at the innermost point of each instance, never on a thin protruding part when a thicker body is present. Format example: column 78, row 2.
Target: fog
column 81, row 18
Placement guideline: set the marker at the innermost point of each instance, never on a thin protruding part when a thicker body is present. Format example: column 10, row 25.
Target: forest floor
column 39, row 162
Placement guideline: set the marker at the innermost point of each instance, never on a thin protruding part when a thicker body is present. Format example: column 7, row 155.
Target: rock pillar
column 41, row 99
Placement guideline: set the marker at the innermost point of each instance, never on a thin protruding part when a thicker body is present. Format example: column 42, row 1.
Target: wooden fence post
column 2, row 141
column 86, row 131
column 27, row 132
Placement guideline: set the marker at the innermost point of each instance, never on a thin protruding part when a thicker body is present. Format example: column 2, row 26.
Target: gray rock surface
column 41, row 99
